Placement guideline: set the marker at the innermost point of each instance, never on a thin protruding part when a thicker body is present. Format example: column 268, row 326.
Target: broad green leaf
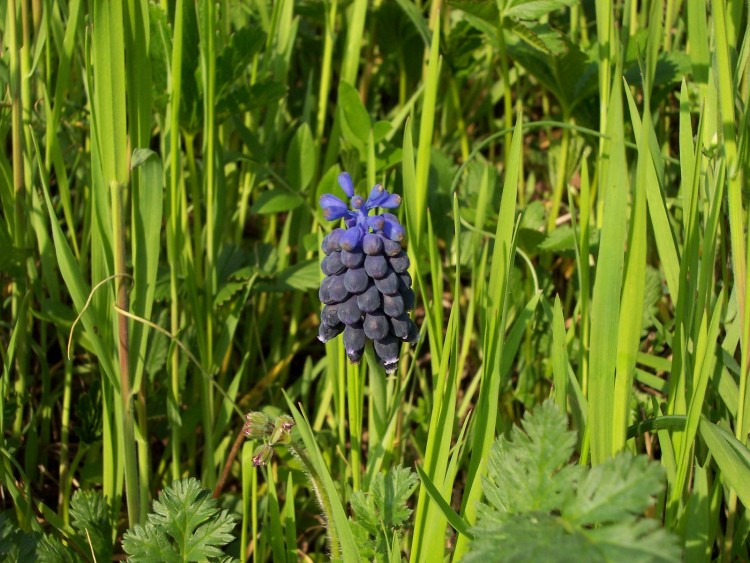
column 302, row 276
column 276, row 201
column 300, row 159
column 533, row 9
column 355, row 121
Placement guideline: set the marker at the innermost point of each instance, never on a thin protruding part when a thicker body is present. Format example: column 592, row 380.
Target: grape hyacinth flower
column 367, row 291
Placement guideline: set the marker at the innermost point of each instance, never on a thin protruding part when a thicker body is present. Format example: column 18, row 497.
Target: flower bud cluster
column 367, row 292
column 259, row 426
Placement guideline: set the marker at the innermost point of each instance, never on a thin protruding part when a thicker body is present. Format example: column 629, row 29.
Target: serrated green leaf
column 615, row 489
column 88, row 513
column 50, row 550
column 523, row 473
column 391, row 493
column 148, row 543
column 382, row 511
column 185, row 525
column 540, row 508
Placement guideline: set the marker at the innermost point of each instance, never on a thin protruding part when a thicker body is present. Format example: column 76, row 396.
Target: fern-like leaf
column 88, row 512
column 186, row 525
column 382, row 511
column 540, row 508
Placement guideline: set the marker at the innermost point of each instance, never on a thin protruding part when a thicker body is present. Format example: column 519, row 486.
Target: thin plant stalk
column 208, row 67
column 174, row 225
column 129, row 444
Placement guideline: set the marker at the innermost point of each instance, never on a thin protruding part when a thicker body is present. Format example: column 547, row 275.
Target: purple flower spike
column 367, row 291
column 377, row 195
column 333, row 207
column 351, row 238
column 392, row 228
column 345, row 181
column 376, row 222
column 357, row 220
column 393, row 201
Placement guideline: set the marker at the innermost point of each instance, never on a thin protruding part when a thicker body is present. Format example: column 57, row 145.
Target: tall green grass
column 572, row 177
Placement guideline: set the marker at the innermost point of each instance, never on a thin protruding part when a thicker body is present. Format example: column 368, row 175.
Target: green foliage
column 15, row 544
column 88, row 512
column 89, row 520
column 624, row 299
column 541, row 508
column 185, row 525
column 381, row 513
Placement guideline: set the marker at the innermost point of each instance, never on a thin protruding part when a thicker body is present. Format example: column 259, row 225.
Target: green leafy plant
column 382, row 513
column 92, row 534
column 185, row 525
column 538, row 507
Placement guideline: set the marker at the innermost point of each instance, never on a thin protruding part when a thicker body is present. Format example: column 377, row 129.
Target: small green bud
column 257, row 426
column 282, row 430
column 286, row 422
column 262, row 455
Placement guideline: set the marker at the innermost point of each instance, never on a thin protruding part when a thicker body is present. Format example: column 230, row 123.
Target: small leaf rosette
column 367, row 291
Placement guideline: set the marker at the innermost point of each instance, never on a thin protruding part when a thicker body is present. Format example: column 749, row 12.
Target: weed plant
column 572, row 178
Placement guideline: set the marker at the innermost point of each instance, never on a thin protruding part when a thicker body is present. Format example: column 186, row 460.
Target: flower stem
column 300, row 453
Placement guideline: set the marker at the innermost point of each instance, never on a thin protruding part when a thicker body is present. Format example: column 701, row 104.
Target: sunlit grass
column 572, row 184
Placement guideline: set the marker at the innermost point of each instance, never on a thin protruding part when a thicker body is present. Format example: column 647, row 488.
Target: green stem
column 209, row 185
column 329, row 36
column 19, row 195
column 560, row 179
column 63, row 501
column 507, row 94
column 174, row 231
column 131, row 464
column 334, row 545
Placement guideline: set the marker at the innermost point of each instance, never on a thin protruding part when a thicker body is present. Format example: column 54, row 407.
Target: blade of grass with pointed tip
column 458, row 523
column 605, row 304
column 485, row 417
column 665, row 240
column 426, row 128
column 631, row 304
